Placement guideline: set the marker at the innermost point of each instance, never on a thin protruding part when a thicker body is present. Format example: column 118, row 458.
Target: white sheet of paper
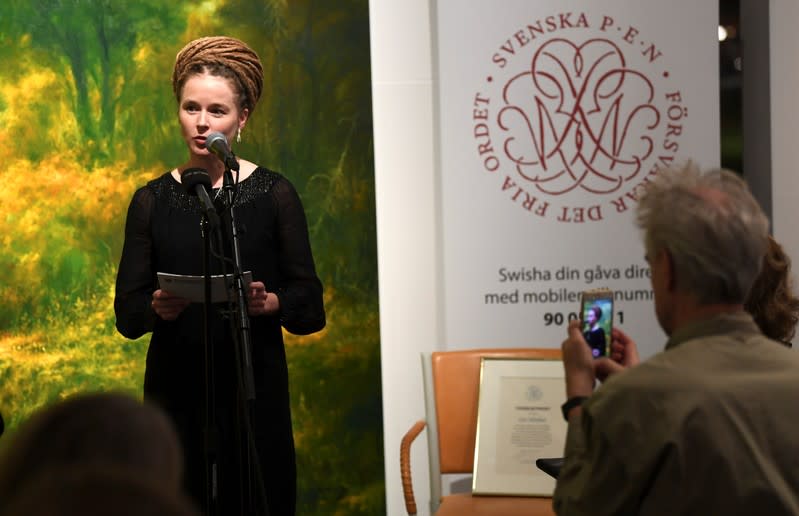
column 193, row 287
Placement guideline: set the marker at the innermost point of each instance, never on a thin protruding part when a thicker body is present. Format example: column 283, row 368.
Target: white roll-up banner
column 552, row 118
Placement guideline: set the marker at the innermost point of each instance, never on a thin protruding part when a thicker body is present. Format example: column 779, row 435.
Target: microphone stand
column 242, row 319
column 197, row 182
column 209, row 226
column 249, row 465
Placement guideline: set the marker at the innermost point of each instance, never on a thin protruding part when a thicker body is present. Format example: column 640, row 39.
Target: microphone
column 197, row 182
column 217, row 144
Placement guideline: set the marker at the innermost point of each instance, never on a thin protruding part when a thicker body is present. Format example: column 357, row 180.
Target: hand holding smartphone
column 596, row 309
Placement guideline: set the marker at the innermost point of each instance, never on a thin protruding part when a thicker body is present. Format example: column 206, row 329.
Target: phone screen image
column 597, row 317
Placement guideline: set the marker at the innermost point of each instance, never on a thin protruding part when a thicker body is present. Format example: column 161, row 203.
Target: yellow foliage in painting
column 64, row 188
column 71, row 348
column 144, row 52
column 62, row 225
column 22, row 348
column 33, row 117
column 26, row 91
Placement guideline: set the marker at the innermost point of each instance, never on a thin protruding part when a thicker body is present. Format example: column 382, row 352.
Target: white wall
column 784, row 65
column 405, row 190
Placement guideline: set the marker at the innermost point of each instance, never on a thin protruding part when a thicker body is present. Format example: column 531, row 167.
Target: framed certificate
column 518, row 421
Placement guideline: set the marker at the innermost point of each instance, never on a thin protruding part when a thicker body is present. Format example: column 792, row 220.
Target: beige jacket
column 709, row 426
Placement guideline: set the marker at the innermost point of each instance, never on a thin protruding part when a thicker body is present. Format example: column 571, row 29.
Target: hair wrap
column 221, row 51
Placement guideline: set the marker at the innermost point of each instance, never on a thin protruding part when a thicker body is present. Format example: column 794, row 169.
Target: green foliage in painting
column 85, row 95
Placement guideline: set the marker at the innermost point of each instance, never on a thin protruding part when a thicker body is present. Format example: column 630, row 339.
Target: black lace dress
column 163, row 234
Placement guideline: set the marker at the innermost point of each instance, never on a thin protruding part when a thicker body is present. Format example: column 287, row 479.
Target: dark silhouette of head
column 95, row 429
column 96, row 490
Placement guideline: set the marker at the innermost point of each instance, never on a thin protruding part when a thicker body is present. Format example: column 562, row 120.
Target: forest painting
column 87, row 115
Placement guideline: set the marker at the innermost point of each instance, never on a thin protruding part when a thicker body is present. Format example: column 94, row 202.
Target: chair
column 451, row 384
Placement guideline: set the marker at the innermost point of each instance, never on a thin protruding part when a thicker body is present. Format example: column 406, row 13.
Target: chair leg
column 405, row 465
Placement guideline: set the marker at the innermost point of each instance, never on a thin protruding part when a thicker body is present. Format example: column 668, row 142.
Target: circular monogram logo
column 575, row 116
column 534, row 393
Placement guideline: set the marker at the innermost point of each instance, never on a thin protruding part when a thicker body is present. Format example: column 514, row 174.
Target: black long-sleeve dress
column 595, row 338
column 163, row 234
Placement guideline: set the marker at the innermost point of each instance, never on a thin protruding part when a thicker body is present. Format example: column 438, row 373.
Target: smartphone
column 596, row 309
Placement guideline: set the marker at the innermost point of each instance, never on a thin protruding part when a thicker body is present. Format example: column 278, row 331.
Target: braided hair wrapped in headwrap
column 222, row 56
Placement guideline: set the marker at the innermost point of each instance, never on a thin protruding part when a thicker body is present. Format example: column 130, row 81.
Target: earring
column 238, row 136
